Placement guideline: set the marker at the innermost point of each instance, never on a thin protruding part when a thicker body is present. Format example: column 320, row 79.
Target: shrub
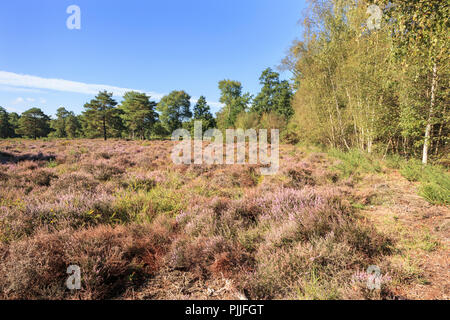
column 300, row 175
column 144, row 205
column 122, row 210
column 280, row 237
column 53, row 212
column 412, row 170
column 434, row 181
column 437, row 190
column 394, row 161
column 103, row 171
column 42, row 177
column 290, row 133
column 206, row 256
column 74, row 182
column 111, row 259
column 355, row 162
column 140, row 182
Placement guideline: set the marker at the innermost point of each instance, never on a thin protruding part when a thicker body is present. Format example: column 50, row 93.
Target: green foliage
column 353, row 92
column 34, row 123
column 437, row 191
column 235, row 102
column 272, row 120
column 66, row 124
column 420, row 29
column 13, row 118
column 202, row 112
column 434, row 181
column 59, row 125
column 247, row 120
column 6, row 129
column 144, row 206
column 412, row 170
column 159, row 130
column 291, row 133
column 394, row 161
column 138, row 115
column 73, row 126
column 101, row 117
column 275, row 96
column 174, row 109
column 52, row 164
column 355, row 162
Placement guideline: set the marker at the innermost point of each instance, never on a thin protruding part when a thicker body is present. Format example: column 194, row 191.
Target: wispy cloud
column 18, row 100
column 14, row 82
column 19, row 81
column 19, row 89
column 9, row 109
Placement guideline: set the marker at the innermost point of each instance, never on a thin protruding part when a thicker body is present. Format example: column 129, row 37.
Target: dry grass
column 141, row 227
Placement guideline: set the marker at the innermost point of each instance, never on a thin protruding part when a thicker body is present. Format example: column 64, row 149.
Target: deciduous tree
column 174, row 109
column 234, row 100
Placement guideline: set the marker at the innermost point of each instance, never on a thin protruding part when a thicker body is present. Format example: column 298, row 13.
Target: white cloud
column 10, row 81
column 18, row 100
column 9, row 109
column 23, row 101
column 18, row 89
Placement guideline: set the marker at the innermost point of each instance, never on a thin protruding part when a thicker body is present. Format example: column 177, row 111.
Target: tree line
column 139, row 117
column 383, row 90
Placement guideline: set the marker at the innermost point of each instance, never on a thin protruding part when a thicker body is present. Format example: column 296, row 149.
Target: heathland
column 363, row 177
column 141, row 227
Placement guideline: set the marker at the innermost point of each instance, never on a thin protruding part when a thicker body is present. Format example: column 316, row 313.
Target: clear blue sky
column 151, row 46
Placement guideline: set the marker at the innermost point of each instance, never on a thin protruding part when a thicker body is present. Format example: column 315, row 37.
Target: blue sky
column 150, row 46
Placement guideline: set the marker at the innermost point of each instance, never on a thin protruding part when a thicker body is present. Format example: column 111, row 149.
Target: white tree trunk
column 426, row 143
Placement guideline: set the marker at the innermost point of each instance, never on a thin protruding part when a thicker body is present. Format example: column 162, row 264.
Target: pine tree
column 6, row 129
column 73, row 126
column 202, row 112
column 275, row 95
column 59, row 124
column 139, row 114
column 13, row 118
column 101, row 117
column 34, row 123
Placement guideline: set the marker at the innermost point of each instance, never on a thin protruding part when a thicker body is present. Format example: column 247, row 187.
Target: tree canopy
column 234, row 100
column 174, row 108
column 275, row 95
column 139, row 114
column 101, row 117
column 34, row 123
column 6, row 129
